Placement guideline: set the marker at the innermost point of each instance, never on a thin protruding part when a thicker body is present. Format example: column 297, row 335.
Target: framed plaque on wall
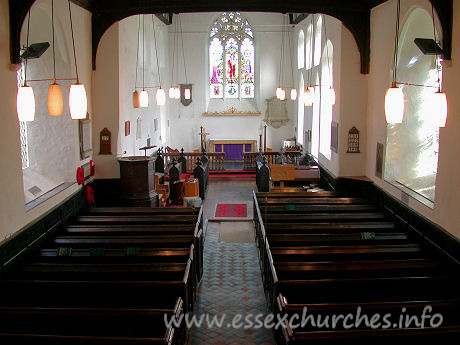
column 84, row 130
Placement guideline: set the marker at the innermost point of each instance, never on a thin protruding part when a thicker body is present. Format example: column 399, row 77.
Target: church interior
column 285, row 167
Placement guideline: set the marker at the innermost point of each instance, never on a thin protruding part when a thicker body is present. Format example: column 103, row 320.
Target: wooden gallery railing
column 215, row 159
column 250, row 158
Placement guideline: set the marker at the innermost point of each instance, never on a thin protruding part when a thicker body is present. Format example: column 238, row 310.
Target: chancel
column 313, row 165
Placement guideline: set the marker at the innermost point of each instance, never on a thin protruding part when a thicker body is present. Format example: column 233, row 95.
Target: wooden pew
column 333, row 253
column 93, row 323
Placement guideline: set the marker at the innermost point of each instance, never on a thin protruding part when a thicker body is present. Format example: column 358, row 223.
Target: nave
column 111, row 274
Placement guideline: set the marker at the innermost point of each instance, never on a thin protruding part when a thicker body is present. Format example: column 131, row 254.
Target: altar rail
column 249, row 158
column 215, row 159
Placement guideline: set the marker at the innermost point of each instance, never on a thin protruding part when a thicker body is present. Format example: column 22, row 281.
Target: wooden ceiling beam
column 354, row 14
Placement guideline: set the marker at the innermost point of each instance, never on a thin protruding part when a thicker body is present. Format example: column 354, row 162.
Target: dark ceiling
column 354, row 14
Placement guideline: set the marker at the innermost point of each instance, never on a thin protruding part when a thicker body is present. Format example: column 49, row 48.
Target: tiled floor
column 231, row 283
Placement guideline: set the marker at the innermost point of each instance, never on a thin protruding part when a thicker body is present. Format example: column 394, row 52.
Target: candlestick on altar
column 265, row 138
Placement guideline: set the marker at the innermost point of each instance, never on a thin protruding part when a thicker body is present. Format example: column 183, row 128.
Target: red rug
column 231, row 210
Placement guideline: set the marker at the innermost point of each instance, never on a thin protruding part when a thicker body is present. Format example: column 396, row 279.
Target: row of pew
column 335, row 254
column 107, row 277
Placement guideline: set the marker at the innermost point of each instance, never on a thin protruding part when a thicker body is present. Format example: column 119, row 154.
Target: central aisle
column 231, row 282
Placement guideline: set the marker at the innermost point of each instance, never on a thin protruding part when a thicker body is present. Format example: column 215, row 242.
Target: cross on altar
column 203, row 138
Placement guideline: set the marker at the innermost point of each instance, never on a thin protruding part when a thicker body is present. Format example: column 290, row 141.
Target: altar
column 233, row 148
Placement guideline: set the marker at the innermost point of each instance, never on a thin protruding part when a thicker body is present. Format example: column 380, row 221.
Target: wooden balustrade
column 215, row 159
column 249, row 158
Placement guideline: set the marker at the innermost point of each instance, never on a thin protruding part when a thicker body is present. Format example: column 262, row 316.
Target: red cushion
column 166, row 178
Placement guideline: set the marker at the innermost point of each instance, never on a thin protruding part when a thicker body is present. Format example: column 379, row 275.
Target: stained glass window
column 231, row 57
column 216, row 68
column 247, row 70
column 231, row 62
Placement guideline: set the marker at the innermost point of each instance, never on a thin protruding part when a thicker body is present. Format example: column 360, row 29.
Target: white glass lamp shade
column 282, row 95
column 136, row 99
column 55, row 101
column 187, row 93
column 161, row 96
column 394, row 105
column 172, row 92
column 78, row 102
column 177, row 93
column 439, row 103
column 143, row 99
column 308, row 97
column 25, row 103
column 331, row 95
column 293, row 94
column 278, row 92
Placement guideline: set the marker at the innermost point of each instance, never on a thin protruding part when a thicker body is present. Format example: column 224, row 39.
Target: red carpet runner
column 231, row 210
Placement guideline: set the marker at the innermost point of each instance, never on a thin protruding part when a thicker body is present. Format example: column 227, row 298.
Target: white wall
column 13, row 215
column 106, row 102
column 186, row 121
column 128, row 37
column 445, row 211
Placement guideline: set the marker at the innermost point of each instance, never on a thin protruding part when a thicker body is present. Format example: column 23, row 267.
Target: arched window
column 231, row 57
column 315, row 121
column 300, row 113
column 301, row 50
column 318, row 34
column 326, row 104
column 411, row 159
column 308, row 47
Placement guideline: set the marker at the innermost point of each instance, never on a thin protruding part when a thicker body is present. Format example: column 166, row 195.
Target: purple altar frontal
column 233, row 149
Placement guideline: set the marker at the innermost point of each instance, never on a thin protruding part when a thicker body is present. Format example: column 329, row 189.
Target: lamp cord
column 143, row 53
column 310, row 71
column 183, row 52
column 174, row 54
column 398, row 14
column 281, row 54
column 54, row 53
column 27, row 50
column 73, row 43
column 137, row 50
column 290, row 55
column 436, row 48
column 156, row 50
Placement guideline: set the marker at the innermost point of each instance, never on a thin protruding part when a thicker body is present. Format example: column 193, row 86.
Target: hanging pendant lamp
column 55, row 100
column 160, row 96
column 394, row 105
column 187, row 93
column 439, row 99
column 293, row 90
column 439, row 102
column 172, row 92
column 177, row 93
column 25, row 99
column 394, row 98
column 143, row 99
column 78, row 102
column 25, row 103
